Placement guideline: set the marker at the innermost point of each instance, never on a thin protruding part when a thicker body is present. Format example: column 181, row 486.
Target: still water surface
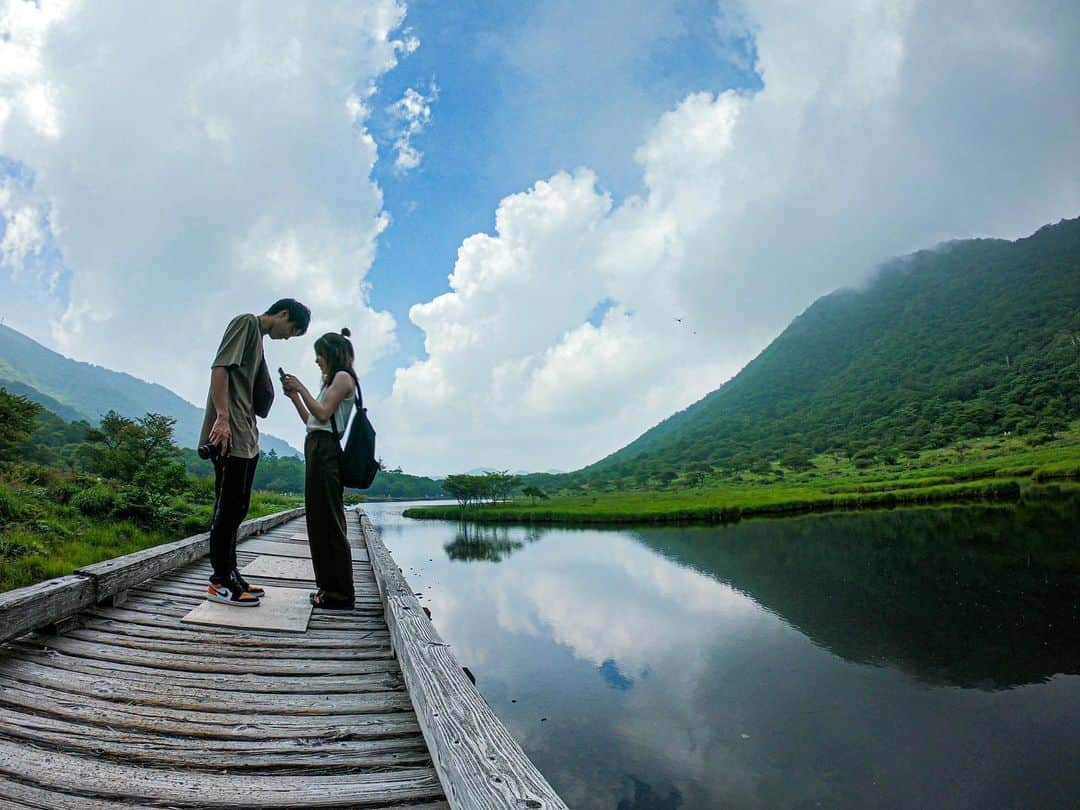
column 908, row 658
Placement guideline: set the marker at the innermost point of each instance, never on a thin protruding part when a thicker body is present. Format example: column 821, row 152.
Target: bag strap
column 359, row 397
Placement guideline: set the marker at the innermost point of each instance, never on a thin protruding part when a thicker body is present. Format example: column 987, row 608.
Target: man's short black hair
column 299, row 315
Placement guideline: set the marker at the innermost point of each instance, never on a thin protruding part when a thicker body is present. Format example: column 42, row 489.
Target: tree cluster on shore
column 491, row 487
column 123, row 468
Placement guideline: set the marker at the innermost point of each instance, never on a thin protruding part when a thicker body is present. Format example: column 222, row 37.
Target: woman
column 323, row 492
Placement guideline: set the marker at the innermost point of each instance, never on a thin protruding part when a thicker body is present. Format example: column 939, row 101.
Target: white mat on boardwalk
column 276, row 549
column 279, row 568
column 287, row 609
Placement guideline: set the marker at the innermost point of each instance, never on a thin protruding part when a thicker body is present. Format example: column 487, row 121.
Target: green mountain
column 75, row 390
column 48, row 403
column 973, row 338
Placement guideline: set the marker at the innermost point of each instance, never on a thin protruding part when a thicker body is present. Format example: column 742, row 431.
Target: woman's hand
column 291, row 385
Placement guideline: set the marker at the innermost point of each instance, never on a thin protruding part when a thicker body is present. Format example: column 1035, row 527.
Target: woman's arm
column 340, row 388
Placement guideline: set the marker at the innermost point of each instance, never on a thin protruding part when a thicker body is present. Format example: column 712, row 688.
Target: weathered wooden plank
column 102, row 779
column 210, row 663
column 25, row 609
column 361, row 622
column 177, row 696
column 480, row 764
column 14, row 794
column 389, row 679
column 18, row 795
column 137, row 635
column 354, row 652
column 121, row 573
column 164, row 751
column 214, row 725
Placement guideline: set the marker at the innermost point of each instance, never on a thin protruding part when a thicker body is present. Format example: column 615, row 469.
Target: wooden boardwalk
column 120, row 704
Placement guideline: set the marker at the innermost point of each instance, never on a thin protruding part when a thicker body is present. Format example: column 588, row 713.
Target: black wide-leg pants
column 331, row 556
column 233, row 478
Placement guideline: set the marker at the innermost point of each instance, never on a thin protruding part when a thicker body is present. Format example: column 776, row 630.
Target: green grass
column 991, row 470
column 44, row 534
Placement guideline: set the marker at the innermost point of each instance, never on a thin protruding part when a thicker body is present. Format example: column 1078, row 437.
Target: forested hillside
column 973, row 338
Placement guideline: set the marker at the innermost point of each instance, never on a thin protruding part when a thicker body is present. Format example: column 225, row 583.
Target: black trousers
column 233, row 478
column 331, row 556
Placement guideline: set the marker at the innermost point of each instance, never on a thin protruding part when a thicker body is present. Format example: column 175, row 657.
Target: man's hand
column 221, row 434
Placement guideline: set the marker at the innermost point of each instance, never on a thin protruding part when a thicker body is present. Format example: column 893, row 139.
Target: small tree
column 533, row 493
column 501, row 484
column 460, row 488
column 665, row 477
column 140, row 454
column 697, row 472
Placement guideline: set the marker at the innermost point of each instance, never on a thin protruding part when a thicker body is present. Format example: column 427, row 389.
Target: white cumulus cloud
column 880, row 129
column 23, row 229
column 413, row 113
column 199, row 160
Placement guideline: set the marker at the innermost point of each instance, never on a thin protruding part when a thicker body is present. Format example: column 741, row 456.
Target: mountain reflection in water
column 973, row 596
column 899, row 658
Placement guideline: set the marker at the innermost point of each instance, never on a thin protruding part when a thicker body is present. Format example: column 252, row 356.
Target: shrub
column 37, row 474
column 50, row 529
column 37, row 493
column 196, row 522
column 10, row 508
column 201, row 489
column 96, row 501
column 64, row 491
column 12, row 546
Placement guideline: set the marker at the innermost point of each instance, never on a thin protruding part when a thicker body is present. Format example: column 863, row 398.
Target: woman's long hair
column 337, row 350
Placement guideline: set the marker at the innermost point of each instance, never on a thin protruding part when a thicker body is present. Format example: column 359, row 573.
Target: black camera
column 209, row 451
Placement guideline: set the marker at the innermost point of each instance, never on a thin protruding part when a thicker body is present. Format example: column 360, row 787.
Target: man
column 229, row 425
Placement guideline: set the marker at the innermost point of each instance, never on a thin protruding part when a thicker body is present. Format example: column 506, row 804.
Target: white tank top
column 341, row 414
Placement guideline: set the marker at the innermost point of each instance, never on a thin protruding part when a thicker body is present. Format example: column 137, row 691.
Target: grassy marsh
column 52, row 523
column 993, row 469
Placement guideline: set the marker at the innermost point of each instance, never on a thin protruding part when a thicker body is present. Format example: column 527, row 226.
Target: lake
column 906, row 658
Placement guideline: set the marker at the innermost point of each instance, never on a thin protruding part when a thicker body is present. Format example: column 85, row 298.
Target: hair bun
column 345, row 331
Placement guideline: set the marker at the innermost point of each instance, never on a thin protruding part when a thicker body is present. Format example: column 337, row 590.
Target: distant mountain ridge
column 77, row 390
column 973, row 338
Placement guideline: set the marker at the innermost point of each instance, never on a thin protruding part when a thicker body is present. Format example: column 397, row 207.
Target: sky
column 549, row 226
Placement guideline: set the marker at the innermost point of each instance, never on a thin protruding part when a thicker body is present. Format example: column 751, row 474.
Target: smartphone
column 281, row 374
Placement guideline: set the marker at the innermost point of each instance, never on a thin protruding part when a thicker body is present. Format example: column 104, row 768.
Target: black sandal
column 319, row 599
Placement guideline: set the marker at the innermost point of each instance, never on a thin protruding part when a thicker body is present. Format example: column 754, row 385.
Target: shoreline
column 601, row 513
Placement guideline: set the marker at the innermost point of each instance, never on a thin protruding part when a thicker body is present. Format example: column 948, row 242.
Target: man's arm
column 221, row 432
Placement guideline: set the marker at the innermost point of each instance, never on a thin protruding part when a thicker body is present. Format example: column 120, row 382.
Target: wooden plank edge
column 50, row 602
column 489, row 772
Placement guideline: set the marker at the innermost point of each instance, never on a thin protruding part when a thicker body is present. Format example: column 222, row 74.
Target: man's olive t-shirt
column 240, row 352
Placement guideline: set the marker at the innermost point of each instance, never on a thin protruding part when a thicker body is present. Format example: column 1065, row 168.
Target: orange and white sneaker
column 232, row 593
column 254, row 590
